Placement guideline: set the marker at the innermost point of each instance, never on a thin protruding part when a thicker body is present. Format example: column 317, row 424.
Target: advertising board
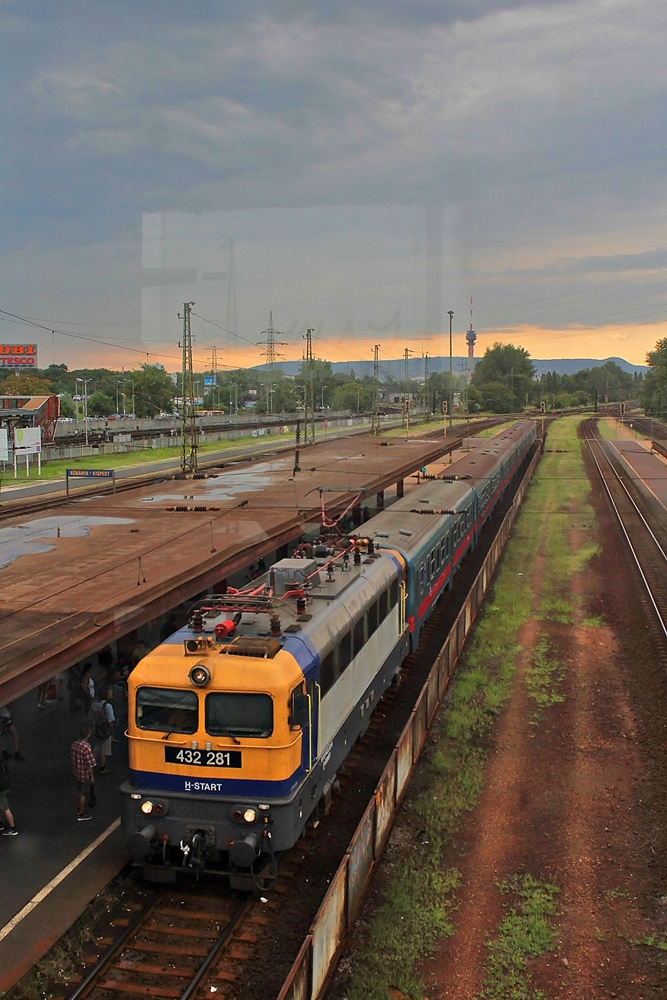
column 18, row 356
column 27, row 440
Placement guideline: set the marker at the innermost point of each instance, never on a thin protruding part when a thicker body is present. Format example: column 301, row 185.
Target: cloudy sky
column 355, row 168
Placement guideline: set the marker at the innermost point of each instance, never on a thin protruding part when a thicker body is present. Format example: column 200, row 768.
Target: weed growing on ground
column 415, row 914
column 544, row 679
column 525, row 932
column 657, row 941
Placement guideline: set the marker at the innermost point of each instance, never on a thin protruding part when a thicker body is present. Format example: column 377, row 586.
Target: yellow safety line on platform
column 43, row 893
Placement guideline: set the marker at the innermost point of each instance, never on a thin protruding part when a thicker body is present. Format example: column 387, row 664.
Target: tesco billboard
column 18, row 355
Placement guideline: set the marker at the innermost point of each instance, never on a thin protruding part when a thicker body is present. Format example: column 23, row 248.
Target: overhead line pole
column 188, row 417
column 450, row 313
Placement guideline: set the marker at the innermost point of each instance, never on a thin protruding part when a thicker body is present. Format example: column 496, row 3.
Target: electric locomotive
column 239, row 722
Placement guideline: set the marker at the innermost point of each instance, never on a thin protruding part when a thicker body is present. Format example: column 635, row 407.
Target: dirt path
column 579, row 801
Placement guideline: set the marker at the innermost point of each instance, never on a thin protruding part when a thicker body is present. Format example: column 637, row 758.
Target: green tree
column 67, row 408
column 26, row 384
column 351, row 396
column 496, row 397
column 100, row 404
column 509, row 367
column 653, row 394
column 154, row 390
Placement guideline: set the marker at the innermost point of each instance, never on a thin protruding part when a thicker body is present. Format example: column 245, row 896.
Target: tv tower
column 471, row 337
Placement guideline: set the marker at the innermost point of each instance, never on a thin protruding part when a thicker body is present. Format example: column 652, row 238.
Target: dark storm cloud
column 537, row 126
column 649, row 260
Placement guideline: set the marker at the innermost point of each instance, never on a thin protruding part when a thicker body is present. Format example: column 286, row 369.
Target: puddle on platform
column 229, row 485
column 26, row 539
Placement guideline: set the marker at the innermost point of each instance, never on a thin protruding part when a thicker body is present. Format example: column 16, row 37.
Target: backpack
column 102, row 724
column 5, row 777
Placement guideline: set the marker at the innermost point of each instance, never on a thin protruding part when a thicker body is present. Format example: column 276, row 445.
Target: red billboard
column 18, row 355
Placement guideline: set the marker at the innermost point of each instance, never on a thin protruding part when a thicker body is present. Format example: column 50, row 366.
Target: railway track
column 646, row 549
column 184, row 936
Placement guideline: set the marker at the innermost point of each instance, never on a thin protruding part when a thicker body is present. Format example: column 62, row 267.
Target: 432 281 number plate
column 202, row 758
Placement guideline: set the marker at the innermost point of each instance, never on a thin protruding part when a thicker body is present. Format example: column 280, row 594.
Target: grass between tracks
column 418, row 892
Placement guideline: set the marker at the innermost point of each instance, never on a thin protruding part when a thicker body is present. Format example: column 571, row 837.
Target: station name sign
column 18, row 355
column 90, row 473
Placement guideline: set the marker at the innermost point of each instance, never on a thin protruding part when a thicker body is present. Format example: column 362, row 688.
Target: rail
column 170, row 946
column 647, row 553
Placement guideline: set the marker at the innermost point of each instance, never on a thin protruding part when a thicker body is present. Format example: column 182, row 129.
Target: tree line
column 504, row 381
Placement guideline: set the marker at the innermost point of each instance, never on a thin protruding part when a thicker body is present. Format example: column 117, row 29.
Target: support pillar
column 400, row 489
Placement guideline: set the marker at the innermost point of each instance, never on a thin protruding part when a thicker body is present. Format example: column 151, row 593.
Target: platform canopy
column 31, row 411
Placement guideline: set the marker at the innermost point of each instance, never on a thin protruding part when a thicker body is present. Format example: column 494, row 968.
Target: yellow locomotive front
column 218, row 749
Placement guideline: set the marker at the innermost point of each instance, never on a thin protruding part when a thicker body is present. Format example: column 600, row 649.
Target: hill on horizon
column 395, row 369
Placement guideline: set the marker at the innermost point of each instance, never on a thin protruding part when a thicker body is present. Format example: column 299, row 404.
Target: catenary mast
column 188, row 417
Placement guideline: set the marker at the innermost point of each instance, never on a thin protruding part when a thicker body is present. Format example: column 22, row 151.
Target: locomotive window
column 167, row 711
column 345, row 652
column 232, row 714
column 393, row 593
column 328, row 672
column 372, row 618
column 359, row 636
column 422, row 575
column 384, row 605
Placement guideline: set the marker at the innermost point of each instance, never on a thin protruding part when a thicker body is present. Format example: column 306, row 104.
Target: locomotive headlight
column 200, row 675
column 147, row 807
column 244, row 814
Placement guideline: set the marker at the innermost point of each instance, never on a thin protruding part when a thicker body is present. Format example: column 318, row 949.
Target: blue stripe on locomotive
column 229, row 788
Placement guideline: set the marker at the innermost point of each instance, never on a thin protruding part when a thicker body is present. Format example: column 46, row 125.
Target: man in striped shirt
column 83, row 764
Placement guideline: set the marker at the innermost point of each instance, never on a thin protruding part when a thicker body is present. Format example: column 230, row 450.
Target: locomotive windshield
column 235, row 714
column 167, row 710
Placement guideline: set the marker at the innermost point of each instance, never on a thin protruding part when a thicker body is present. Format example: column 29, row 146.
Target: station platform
column 55, row 865
column 101, row 568
column 645, row 465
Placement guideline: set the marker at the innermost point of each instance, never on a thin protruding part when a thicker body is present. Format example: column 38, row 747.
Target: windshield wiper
column 225, row 732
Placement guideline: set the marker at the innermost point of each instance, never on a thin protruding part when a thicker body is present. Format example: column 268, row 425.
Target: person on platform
column 168, row 627
column 140, row 650
column 104, row 717
column 41, row 694
column 7, row 728
column 83, row 690
column 9, row 826
column 82, row 760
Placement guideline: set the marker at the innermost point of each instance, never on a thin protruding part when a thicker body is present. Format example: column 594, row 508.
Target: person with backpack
column 7, row 816
column 104, row 720
column 83, row 765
